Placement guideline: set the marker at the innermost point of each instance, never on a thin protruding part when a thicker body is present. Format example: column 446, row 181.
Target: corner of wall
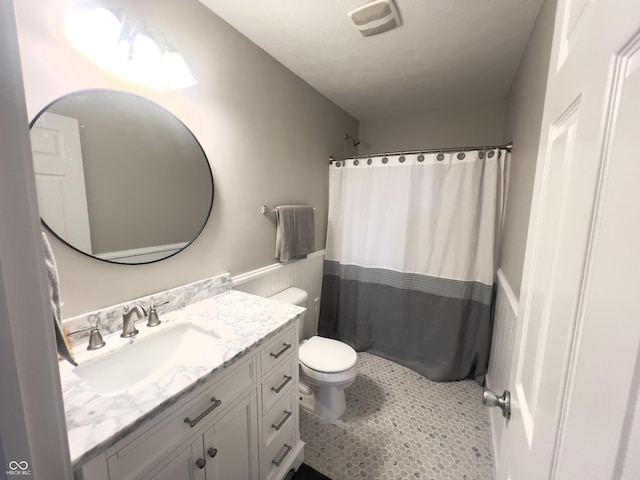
column 523, row 123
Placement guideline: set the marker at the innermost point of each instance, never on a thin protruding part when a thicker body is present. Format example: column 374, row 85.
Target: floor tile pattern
column 399, row 425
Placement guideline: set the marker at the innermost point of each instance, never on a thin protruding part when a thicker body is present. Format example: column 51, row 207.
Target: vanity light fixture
column 140, row 53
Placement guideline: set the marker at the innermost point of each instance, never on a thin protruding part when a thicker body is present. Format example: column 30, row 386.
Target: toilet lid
column 327, row 355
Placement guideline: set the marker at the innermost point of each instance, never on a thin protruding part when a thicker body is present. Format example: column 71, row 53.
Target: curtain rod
column 506, row 147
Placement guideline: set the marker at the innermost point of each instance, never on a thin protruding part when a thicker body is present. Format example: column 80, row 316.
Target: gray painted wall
column 523, row 122
column 268, row 136
column 469, row 125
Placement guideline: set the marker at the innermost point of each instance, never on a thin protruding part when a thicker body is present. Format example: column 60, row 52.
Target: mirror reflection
column 119, row 178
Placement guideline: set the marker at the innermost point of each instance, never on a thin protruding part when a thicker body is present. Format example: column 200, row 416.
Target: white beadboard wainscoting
column 504, row 327
column 305, row 274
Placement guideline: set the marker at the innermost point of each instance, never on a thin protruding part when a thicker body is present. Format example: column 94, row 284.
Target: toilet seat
column 325, row 355
column 335, row 379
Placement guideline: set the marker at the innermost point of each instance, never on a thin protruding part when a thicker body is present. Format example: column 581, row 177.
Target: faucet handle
column 154, row 320
column 95, row 338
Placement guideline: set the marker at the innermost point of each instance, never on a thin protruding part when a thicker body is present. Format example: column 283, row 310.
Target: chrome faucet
column 128, row 321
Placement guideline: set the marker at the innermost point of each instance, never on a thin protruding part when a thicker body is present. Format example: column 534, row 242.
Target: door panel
column 575, row 18
column 576, row 366
column 530, row 369
column 62, row 197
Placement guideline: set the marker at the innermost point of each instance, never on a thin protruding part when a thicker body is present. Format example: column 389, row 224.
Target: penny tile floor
column 399, row 425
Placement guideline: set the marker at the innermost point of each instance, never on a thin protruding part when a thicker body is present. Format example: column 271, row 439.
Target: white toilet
column 327, row 366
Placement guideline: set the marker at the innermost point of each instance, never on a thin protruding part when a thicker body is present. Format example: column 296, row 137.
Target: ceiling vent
column 375, row 17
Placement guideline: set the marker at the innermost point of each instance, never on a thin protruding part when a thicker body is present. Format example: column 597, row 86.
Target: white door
column 62, row 197
column 184, row 466
column 231, row 445
column 575, row 372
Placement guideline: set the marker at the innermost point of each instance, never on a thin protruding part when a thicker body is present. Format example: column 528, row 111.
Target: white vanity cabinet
column 242, row 424
column 226, row 450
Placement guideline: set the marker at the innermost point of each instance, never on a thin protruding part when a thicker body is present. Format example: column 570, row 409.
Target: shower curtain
column 411, row 253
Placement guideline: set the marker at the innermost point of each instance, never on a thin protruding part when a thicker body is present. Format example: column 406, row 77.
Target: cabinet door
column 231, row 445
column 188, row 464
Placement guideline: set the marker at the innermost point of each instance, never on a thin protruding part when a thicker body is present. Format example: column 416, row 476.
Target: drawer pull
column 194, row 422
column 287, row 379
column 212, row 452
column 286, row 417
column 286, row 452
column 200, row 463
column 287, row 346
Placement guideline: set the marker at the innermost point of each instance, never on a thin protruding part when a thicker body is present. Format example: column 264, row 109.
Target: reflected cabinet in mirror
column 119, row 178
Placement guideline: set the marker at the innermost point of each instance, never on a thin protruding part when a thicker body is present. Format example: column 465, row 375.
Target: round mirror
column 119, row 178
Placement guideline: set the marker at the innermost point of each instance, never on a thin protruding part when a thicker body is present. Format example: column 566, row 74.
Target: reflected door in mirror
column 62, row 196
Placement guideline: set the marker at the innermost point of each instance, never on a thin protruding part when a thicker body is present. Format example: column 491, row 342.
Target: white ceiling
column 446, row 52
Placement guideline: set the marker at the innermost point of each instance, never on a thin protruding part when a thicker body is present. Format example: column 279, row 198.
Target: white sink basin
column 129, row 365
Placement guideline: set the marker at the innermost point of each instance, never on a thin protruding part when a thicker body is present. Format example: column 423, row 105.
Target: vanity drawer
column 277, row 349
column 280, row 417
column 279, row 383
column 136, row 453
column 280, row 451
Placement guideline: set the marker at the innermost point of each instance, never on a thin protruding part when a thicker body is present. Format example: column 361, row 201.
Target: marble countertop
column 240, row 322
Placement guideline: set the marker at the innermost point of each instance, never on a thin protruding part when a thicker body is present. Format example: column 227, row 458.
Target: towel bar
column 264, row 209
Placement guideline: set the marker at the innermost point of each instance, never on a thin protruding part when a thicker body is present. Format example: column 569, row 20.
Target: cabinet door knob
column 200, row 463
column 212, row 452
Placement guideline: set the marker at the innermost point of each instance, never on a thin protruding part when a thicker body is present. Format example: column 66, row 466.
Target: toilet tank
column 297, row 296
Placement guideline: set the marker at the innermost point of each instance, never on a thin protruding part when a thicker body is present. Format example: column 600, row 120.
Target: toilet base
column 326, row 402
column 307, row 401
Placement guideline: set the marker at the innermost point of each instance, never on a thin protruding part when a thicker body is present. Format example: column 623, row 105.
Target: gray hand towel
column 295, row 231
column 54, row 295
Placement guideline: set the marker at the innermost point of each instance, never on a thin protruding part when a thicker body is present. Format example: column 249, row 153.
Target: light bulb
column 146, row 61
column 93, row 31
column 177, row 71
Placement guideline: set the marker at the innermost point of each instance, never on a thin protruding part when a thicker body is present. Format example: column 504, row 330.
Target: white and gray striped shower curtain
column 412, row 244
